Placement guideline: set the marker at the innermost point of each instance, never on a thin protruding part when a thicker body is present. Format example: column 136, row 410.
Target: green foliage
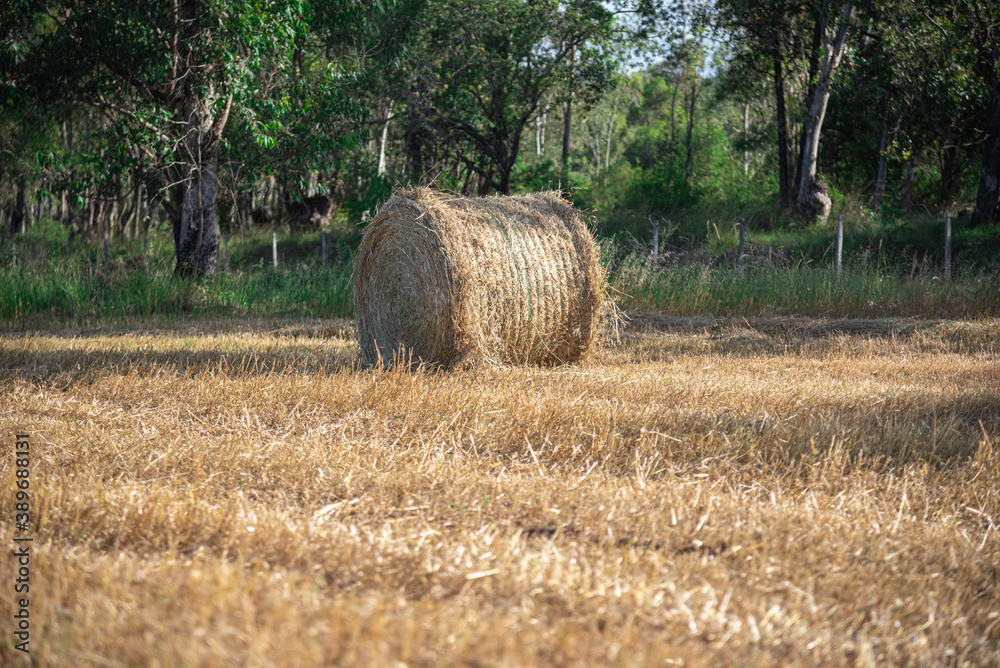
column 46, row 231
column 477, row 73
column 649, row 182
column 536, row 176
column 276, row 80
column 92, row 97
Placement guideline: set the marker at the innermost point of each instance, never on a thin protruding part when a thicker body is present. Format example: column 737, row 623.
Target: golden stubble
column 704, row 491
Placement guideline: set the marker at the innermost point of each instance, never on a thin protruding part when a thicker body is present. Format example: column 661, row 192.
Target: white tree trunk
column 882, row 166
column 813, row 123
column 545, row 120
column 382, row 140
column 607, row 147
column 746, row 137
column 538, row 135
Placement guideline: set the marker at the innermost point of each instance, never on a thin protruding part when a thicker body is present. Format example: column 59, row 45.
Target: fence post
column 656, row 244
column 145, row 251
column 107, row 254
column 840, row 244
column 742, row 248
column 947, row 245
column 324, row 249
column 274, row 248
column 225, row 252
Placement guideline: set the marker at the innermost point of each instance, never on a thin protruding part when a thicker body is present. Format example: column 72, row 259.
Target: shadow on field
column 68, row 367
column 779, row 335
column 924, row 428
column 781, row 326
column 199, row 326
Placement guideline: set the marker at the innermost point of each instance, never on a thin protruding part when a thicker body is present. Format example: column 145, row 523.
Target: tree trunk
column 414, row 149
column 746, row 138
column 545, row 119
column 882, row 163
column 45, row 207
column 501, row 179
column 19, row 217
column 673, row 120
column 607, row 147
column 567, row 120
column 37, row 214
column 90, row 209
column 905, row 200
column 139, row 206
column 809, row 92
column 382, row 140
column 538, row 135
column 597, row 142
column 951, row 170
column 812, row 125
column 198, row 235
column 468, row 183
column 130, row 217
column 71, row 204
column 102, row 230
column 986, row 210
column 784, row 184
column 690, row 132
column 485, row 185
column 113, row 220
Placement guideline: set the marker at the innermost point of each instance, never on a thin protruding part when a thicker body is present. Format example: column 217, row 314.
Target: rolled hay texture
column 457, row 281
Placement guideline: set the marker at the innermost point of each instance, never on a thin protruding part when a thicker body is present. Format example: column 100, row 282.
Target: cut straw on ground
column 719, row 492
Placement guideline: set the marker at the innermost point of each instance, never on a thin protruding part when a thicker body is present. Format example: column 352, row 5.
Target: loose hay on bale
column 452, row 280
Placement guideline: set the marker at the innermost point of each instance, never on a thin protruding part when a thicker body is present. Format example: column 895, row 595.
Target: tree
column 762, row 36
column 170, row 78
column 478, row 72
column 977, row 28
column 832, row 24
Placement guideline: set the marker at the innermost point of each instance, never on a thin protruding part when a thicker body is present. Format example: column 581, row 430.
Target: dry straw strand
column 455, row 281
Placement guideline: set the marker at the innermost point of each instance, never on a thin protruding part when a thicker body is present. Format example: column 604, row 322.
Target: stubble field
column 701, row 492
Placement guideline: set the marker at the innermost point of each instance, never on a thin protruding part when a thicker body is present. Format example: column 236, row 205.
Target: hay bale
column 453, row 281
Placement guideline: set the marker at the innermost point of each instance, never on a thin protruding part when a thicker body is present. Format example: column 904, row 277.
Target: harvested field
column 705, row 492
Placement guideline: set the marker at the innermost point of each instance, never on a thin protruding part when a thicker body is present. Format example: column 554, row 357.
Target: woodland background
column 186, row 122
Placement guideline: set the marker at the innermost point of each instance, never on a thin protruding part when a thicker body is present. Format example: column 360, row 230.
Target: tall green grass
column 65, row 293
column 76, row 290
column 49, row 279
column 805, row 290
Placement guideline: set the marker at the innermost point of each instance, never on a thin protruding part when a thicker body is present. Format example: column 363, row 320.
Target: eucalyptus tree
column 906, row 85
column 768, row 38
column 936, row 66
column 973, row 29
column 171, row 78
column 477, row 72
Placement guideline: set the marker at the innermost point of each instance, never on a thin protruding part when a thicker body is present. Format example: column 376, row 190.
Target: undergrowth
column 41, row 283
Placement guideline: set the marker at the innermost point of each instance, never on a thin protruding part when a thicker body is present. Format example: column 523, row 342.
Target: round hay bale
column 452, row 281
